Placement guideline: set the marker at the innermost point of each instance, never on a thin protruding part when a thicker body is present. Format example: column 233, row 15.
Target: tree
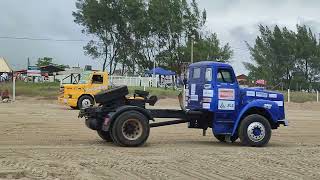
column 47, row 61
column 282, row 56
column 137, row 33
column 207, row 48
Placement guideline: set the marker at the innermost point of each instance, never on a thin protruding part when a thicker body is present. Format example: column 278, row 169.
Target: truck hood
column 71, row 88
column 251, row 94
column 261, row 93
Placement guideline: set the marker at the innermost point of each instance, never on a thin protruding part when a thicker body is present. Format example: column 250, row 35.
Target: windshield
column 85, row 77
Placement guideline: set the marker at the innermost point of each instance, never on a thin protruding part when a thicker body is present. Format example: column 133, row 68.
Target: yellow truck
column 81, row 95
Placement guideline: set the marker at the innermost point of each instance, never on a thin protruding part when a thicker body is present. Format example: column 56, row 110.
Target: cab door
column 227, row 102
column 208, row 90
column 97, row 83
column 195, row 86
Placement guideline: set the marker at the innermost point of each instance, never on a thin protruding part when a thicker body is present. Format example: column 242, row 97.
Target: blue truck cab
column 231, row 111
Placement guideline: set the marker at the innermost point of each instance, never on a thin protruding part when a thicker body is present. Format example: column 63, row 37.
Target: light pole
column 154, row 71
column 192, row 43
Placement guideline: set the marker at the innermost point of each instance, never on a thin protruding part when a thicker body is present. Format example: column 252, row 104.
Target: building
column 243, row 80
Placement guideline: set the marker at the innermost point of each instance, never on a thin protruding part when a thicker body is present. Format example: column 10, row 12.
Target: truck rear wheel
column 85, row 102
column 255, row 130
column 130, row 129
column 105, row 135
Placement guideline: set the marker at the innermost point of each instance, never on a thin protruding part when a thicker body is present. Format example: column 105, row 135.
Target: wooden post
column 317, row 96
column 288, row 95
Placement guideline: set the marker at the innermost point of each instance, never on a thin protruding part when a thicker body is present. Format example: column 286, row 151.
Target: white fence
column 143, row 81
column 133, row 81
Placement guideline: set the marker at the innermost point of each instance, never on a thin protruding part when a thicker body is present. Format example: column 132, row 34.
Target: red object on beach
column 5, row 94
column 261, row 82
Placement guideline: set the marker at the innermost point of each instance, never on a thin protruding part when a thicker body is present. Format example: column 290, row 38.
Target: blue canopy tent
column 162, row 72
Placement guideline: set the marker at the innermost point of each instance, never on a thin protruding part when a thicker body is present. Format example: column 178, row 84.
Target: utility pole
column 28, row 62
column 192, row 42
column 154, row 72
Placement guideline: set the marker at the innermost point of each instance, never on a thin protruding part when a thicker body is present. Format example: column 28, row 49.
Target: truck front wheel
column 85, row 102
column 105, row 135
column 255, row 130
column 130, row 129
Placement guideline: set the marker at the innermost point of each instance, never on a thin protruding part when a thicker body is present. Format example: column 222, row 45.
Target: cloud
column 40, row 19
column 235, row 21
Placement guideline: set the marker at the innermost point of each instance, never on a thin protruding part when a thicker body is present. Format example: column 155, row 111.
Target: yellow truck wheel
column 85, row 101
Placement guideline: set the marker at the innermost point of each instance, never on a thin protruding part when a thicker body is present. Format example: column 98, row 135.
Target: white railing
column 132, row 81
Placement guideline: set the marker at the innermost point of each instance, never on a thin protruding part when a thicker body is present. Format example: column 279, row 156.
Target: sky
column 235, row 22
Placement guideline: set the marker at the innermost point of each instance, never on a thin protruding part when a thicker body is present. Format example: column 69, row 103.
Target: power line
column 42, row 39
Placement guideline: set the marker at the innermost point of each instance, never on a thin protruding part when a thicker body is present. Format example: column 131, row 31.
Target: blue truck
column 212, row 99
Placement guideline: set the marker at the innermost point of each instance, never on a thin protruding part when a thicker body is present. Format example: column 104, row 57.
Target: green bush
column 300, row 97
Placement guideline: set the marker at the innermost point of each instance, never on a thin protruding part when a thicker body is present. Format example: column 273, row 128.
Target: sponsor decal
column 207, row 86
column 251, row 93
column 194, row 98
column 267, row 106
column 262, row 94
column 273, row 96
column 280, row 103
column 207, row 93
column 207, row 100
column 226, row 94
column 226, row 105
column 193, row 89
column 206, row 105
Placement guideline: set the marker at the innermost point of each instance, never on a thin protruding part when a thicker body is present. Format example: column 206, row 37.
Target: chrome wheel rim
column 132, row 129
column 256, row 131
column 86, row 103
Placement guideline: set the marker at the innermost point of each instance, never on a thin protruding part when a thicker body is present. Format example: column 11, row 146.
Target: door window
column 97, row 79
column 225, row 76
column 196, row 73
column 208, row 74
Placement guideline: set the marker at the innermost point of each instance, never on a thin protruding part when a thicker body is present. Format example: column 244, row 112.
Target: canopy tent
column 4, row 66
column 161, row 71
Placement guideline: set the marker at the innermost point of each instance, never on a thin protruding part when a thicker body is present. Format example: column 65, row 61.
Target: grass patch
column 46, row 90
column 300, row 97
column 51, row 90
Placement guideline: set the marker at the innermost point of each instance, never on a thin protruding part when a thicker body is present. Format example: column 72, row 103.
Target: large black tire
column 254, row 130
column 85, row 101
column 130, row 129
column 105, row 135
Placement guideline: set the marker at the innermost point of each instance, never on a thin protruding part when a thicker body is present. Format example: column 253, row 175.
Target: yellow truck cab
column 81, row 95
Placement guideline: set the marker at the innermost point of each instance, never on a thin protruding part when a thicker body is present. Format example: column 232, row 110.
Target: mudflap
column 94, row 124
